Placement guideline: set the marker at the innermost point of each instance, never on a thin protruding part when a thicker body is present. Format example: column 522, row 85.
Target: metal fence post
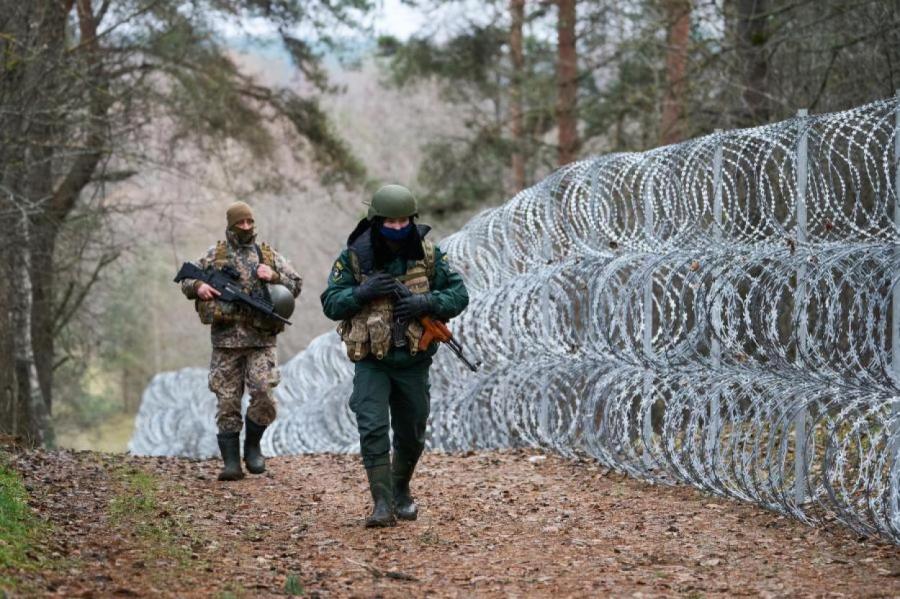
column 895, row 305
column 715, row 350
column 895, row 297
column 801, row 465
column 543, row 416
column 649, row 225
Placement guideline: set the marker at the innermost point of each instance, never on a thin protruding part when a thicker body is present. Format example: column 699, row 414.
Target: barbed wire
column 719, row 313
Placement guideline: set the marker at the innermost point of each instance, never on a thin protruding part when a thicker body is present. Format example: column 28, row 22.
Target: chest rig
column 369, row 332
column 226, row 313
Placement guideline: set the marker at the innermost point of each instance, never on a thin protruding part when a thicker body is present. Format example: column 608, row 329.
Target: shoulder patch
column 337, row 271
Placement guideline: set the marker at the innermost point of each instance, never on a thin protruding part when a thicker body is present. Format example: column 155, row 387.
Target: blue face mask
column 396, row 234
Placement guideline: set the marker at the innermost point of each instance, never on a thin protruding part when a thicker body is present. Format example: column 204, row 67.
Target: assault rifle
column 225, row 281
column 435, row 330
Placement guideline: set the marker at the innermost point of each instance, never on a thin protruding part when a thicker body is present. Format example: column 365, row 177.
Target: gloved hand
column 400, row 290
column 416, row 304
column 375, row 286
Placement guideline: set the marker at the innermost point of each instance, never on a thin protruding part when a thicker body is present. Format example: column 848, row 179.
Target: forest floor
column 492, row 524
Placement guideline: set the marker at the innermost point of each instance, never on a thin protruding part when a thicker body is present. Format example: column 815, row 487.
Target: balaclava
column 235, row 214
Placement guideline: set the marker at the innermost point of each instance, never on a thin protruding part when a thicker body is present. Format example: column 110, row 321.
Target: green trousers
column 389, row 398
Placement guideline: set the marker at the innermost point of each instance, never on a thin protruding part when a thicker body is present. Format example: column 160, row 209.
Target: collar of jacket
column 364, row 248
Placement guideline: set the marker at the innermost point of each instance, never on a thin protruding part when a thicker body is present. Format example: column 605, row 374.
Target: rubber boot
column 380, row 487
column 230, row 446
column 404, row 506
column 253, row 456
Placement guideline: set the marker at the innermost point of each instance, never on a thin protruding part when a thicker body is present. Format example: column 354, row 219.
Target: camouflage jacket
column 245, row 260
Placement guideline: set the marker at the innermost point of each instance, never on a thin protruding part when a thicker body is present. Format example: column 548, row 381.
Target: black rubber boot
column 404, row 506
column 253, row 456
column 230, row 446
column 380, row 487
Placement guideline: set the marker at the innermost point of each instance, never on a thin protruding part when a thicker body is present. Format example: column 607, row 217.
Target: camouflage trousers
column 231, row 370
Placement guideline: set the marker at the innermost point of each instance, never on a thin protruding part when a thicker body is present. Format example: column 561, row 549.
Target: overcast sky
column 394, row 18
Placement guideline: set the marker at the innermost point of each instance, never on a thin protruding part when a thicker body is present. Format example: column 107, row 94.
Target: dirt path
column 492, row 524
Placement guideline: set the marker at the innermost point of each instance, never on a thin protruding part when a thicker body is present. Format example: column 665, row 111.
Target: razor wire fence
column 721, row 312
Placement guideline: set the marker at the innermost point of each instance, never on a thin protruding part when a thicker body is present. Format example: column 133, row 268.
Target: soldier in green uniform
column 243, row 340
column 379, row 325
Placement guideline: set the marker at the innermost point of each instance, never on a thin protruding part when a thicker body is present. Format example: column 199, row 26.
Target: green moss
column 21, row 532
column 138, row 498
column 136, row 507
column 292, row 585
column 16, row 521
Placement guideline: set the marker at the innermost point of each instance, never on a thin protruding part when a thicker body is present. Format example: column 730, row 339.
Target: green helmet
column 282, row 300
column 393, row 201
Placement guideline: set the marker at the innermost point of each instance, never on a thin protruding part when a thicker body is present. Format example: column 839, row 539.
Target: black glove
column 400, row 290
column 416, row 304
column 374, row 286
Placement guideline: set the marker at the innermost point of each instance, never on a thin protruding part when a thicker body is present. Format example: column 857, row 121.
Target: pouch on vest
column 218, row 312
column 259, row 321
column 378, row 326
column 369, row 331
column 264, row 324
column 355, row 335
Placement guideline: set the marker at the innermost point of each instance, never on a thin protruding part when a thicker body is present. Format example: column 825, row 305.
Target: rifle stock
column 435, row 330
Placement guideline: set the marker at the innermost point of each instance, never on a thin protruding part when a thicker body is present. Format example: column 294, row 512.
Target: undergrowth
column 165, row 535
column 20, row 530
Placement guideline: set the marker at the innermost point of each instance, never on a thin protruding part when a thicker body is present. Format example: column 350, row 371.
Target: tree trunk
column 34, row 100
column 26, row 91
column 516, row 115
column 678, row 19
column 751, row 34
column 14, row 24
column 43, row 243
column 567, row 83
column 57, row 203
column 43, row 81
column 37, row 431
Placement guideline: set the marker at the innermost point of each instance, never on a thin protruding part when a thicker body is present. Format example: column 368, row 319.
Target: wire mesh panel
column 718, row 312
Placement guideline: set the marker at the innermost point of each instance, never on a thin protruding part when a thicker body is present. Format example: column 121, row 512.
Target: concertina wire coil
column 719, row 313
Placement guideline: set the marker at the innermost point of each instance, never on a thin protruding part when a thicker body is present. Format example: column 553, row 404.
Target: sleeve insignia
column 336, row 271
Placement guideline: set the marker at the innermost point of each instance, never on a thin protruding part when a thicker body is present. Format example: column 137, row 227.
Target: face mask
column 396, row 234
column 244, row 236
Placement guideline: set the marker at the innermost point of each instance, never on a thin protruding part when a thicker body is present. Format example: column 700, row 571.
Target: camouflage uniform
column 243, row 355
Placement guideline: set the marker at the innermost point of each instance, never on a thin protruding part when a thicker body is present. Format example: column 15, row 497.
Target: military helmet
column 282, row 300
column 394, row 201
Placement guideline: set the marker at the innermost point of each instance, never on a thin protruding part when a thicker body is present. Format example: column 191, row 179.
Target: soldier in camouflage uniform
column 379, row 325
column 243, row 340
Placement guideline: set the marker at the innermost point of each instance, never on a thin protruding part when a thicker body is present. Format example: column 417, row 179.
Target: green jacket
column 447, row 290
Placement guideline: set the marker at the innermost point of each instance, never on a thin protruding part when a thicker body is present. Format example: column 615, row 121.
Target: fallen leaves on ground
column 504, row 523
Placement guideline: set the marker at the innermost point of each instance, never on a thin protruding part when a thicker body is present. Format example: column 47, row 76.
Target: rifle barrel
column 460, row 355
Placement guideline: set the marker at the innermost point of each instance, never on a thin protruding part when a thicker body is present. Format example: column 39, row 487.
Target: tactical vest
column 369, row 331
column 225, row 313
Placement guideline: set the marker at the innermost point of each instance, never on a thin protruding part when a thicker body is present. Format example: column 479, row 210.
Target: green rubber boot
column 380, row 487
column 402, row 470
column 253, row 456
column 230, row 446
